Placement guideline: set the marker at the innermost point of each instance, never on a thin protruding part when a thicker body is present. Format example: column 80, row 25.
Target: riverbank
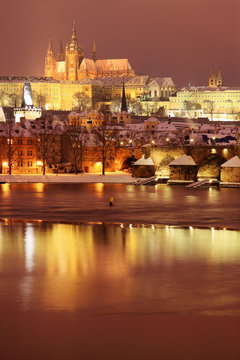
column 110, row 177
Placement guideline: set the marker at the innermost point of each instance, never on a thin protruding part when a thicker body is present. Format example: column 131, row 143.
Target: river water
column 160, row 204
column 124, row 290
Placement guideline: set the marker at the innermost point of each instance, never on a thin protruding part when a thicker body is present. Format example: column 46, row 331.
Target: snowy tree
column 136, row 107
column 9, row 99
column 115, row 106
column 81, row 102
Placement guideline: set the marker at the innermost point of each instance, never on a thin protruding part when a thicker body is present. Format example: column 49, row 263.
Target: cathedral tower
column 74, row 56
column 213, row 78
column 50, row 61
column 220, row 78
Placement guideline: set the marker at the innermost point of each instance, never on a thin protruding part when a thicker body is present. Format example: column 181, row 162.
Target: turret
column 220, row 78
column 212, row 78
column 123, row 117
column 124, row 102
column 74, row 43
column 61, row 55
column 94, row 53
column 50, row 62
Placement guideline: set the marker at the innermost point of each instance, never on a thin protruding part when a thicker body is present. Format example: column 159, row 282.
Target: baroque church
column 73, row 65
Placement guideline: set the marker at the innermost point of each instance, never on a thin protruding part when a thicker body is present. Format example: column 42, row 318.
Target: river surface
column 122, row 288
column 160, row 204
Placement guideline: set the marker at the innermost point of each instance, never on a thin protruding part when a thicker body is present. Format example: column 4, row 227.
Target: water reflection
column 29, row 246
column 68, row 267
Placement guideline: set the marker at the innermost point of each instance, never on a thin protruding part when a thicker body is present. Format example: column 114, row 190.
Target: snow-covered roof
column 233, row 162
column 162, row 81
column 152, row 119
column 183, row 160
column 165, row 126
column 88, row 65
column 144, row 161
column 113, row 64
column 206, row 127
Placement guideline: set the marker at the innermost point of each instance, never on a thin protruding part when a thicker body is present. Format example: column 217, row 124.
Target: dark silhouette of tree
column 78, row 136
column 46, row 131
column 105, row 136
column 11, row 133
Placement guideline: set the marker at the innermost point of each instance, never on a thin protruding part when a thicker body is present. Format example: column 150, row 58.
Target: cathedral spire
column 74, row 43
column 74, row 31
column 212, row 78
column 220, row 78
column 61, row 56
column 94, row 53
column 50, row 47
column 124, row 102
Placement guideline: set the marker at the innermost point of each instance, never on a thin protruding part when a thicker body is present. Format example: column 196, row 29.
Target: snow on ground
column 113, row 177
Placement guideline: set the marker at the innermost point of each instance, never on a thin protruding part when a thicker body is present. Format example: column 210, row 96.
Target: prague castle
column 73, row 65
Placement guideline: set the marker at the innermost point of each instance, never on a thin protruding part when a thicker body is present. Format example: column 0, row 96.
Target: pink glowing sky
column 178, row 38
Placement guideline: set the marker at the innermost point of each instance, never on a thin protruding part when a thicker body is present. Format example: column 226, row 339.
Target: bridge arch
column 210, row 167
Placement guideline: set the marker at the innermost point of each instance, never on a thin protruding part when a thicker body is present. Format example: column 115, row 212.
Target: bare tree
column 78, row 137
column 46, row 132
column 11, row 134
column 209, row 107
column 105, row 136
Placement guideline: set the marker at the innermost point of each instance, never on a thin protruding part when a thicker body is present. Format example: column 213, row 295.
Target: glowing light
column 130, row 141
column 29, row 246
column 225, row 151
column 153, row 142
column 213, row 151
column 98, row 164
column 4, row 163
column 130, row 225
column 39, row 163
column 167, row 139
column 191, row 140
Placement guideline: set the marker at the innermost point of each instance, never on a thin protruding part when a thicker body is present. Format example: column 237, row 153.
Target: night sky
column 178, row 38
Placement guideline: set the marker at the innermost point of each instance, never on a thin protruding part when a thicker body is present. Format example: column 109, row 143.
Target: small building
column 183, row 168
column 143, row 168
column 230, row 170
column 151, row 123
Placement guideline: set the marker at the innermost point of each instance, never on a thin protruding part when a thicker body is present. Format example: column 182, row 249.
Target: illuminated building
column 88, row 119
column 217, row 102
column 73, row 65
column 27, row 110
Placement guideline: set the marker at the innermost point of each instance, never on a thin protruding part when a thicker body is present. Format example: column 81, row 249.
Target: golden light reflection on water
column 64, row 266
column 5, row 189
column 99, row 188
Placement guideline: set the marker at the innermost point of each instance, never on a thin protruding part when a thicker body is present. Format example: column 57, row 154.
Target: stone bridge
column 208, row 158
